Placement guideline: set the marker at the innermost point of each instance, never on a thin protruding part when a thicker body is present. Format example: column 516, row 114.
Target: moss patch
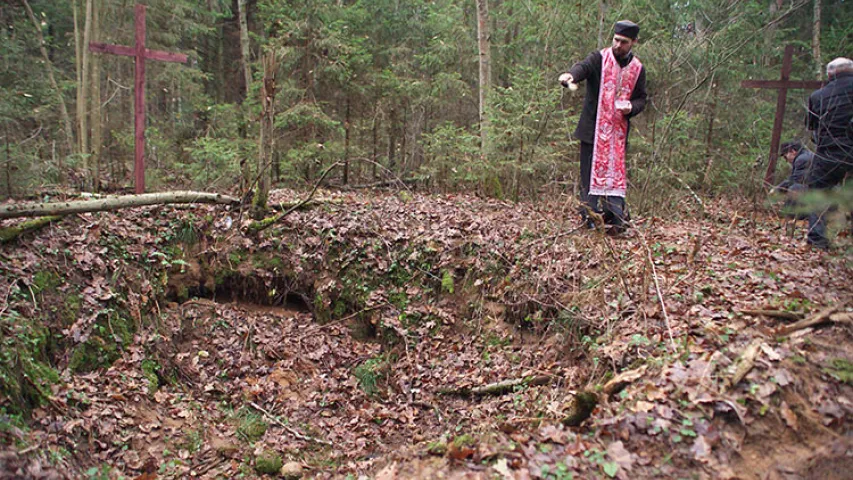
column 251, row 426
column 268, row 462
column 149, row 369
column 370, row 374
column 25, row 371
column 112, row 332
column 841, row 370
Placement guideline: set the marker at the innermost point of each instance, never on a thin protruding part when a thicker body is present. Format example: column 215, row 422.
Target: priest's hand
column 624, row 109
column 568, row 81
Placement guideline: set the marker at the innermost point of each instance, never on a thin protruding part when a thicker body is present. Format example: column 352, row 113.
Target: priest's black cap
column 627, row 28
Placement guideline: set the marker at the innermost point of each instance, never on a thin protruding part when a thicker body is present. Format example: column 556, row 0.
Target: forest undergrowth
column 354, row 339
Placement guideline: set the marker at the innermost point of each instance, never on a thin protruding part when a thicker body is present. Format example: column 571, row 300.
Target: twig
column 657, row 290
column 428, row 406
column 314, row 328
column 292, row 431
column 619, row 270
column 812, row 321
column 210, row 466
column 773, row 313
column 29, row 449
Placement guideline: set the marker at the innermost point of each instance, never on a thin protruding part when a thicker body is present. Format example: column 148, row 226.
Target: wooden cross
column 782, row 85
column 141, row 53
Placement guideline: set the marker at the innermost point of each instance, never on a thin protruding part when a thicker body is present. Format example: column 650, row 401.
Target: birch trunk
column 39, row 209
column 816, row 40
column 83, row 90
column 95, row 100
column 485, row 70
column 346, row 142
column 244, row 43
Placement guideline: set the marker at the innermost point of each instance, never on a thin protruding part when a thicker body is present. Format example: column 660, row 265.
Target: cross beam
column 141, row 54
column 782, row 85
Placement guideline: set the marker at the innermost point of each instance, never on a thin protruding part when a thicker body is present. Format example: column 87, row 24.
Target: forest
column 392, row 90
column 358, row 253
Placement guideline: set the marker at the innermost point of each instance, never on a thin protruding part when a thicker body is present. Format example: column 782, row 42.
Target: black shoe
column 820, row 245
column 616, row 230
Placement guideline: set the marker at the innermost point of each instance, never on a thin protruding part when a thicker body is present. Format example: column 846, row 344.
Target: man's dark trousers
column 827, row 172
column 611, row 207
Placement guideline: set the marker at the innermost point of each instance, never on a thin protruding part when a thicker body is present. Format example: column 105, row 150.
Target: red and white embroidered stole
column 611, row 127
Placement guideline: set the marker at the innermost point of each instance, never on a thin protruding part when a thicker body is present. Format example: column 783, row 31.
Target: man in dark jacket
column 605, row 121
column 800, row 159
column 830, row 117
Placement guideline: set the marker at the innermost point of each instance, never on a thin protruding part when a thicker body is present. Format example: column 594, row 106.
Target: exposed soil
column 331, row 339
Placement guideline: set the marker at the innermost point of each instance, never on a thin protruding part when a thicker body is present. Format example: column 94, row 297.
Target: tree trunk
column 66, row 119
column 39, row 209
column 770, row 35
column 265, row 142
column 244, row 43
column 8, row 162
column 602, row 17
column 78, row 62
column 816, row 39
column 392, row 141
column 485, row 70
column 95, row 100
column 710, row 134
column 375, row 140
column 346, row 142
column 83, row 95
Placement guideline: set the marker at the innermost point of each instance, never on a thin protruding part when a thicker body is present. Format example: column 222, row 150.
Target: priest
column 615, row 92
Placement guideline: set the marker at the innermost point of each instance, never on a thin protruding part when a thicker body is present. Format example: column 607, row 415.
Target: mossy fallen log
column 9, row 234
column 285, row 209
column 578, row 408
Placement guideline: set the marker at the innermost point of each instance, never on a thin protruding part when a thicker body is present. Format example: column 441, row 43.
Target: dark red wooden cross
column 141, row 53
column 782, row 85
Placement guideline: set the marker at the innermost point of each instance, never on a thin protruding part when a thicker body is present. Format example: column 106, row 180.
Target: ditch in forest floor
column 228, row 389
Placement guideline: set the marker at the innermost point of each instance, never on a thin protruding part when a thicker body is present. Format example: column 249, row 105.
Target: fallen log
column 822, row 316
column 385, row 183
column 40, row 209
column 745, row 362
column 9, row 234
column 617, row 383
column 497, row 388
column 578, row 408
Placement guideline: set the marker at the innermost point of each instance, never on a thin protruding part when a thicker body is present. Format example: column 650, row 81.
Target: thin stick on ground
column 498, row 388
column 772, row 313
column 292, row 431
column 657, row 289
column 820, row 317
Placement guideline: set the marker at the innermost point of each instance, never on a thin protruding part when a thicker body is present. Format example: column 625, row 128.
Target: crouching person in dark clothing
column 830, row 116
column 800, row 159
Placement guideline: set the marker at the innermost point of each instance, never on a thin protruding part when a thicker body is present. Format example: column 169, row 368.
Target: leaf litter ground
column 414, row 295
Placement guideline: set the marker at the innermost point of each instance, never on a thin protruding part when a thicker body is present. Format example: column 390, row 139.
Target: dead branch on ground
column 497, row 388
